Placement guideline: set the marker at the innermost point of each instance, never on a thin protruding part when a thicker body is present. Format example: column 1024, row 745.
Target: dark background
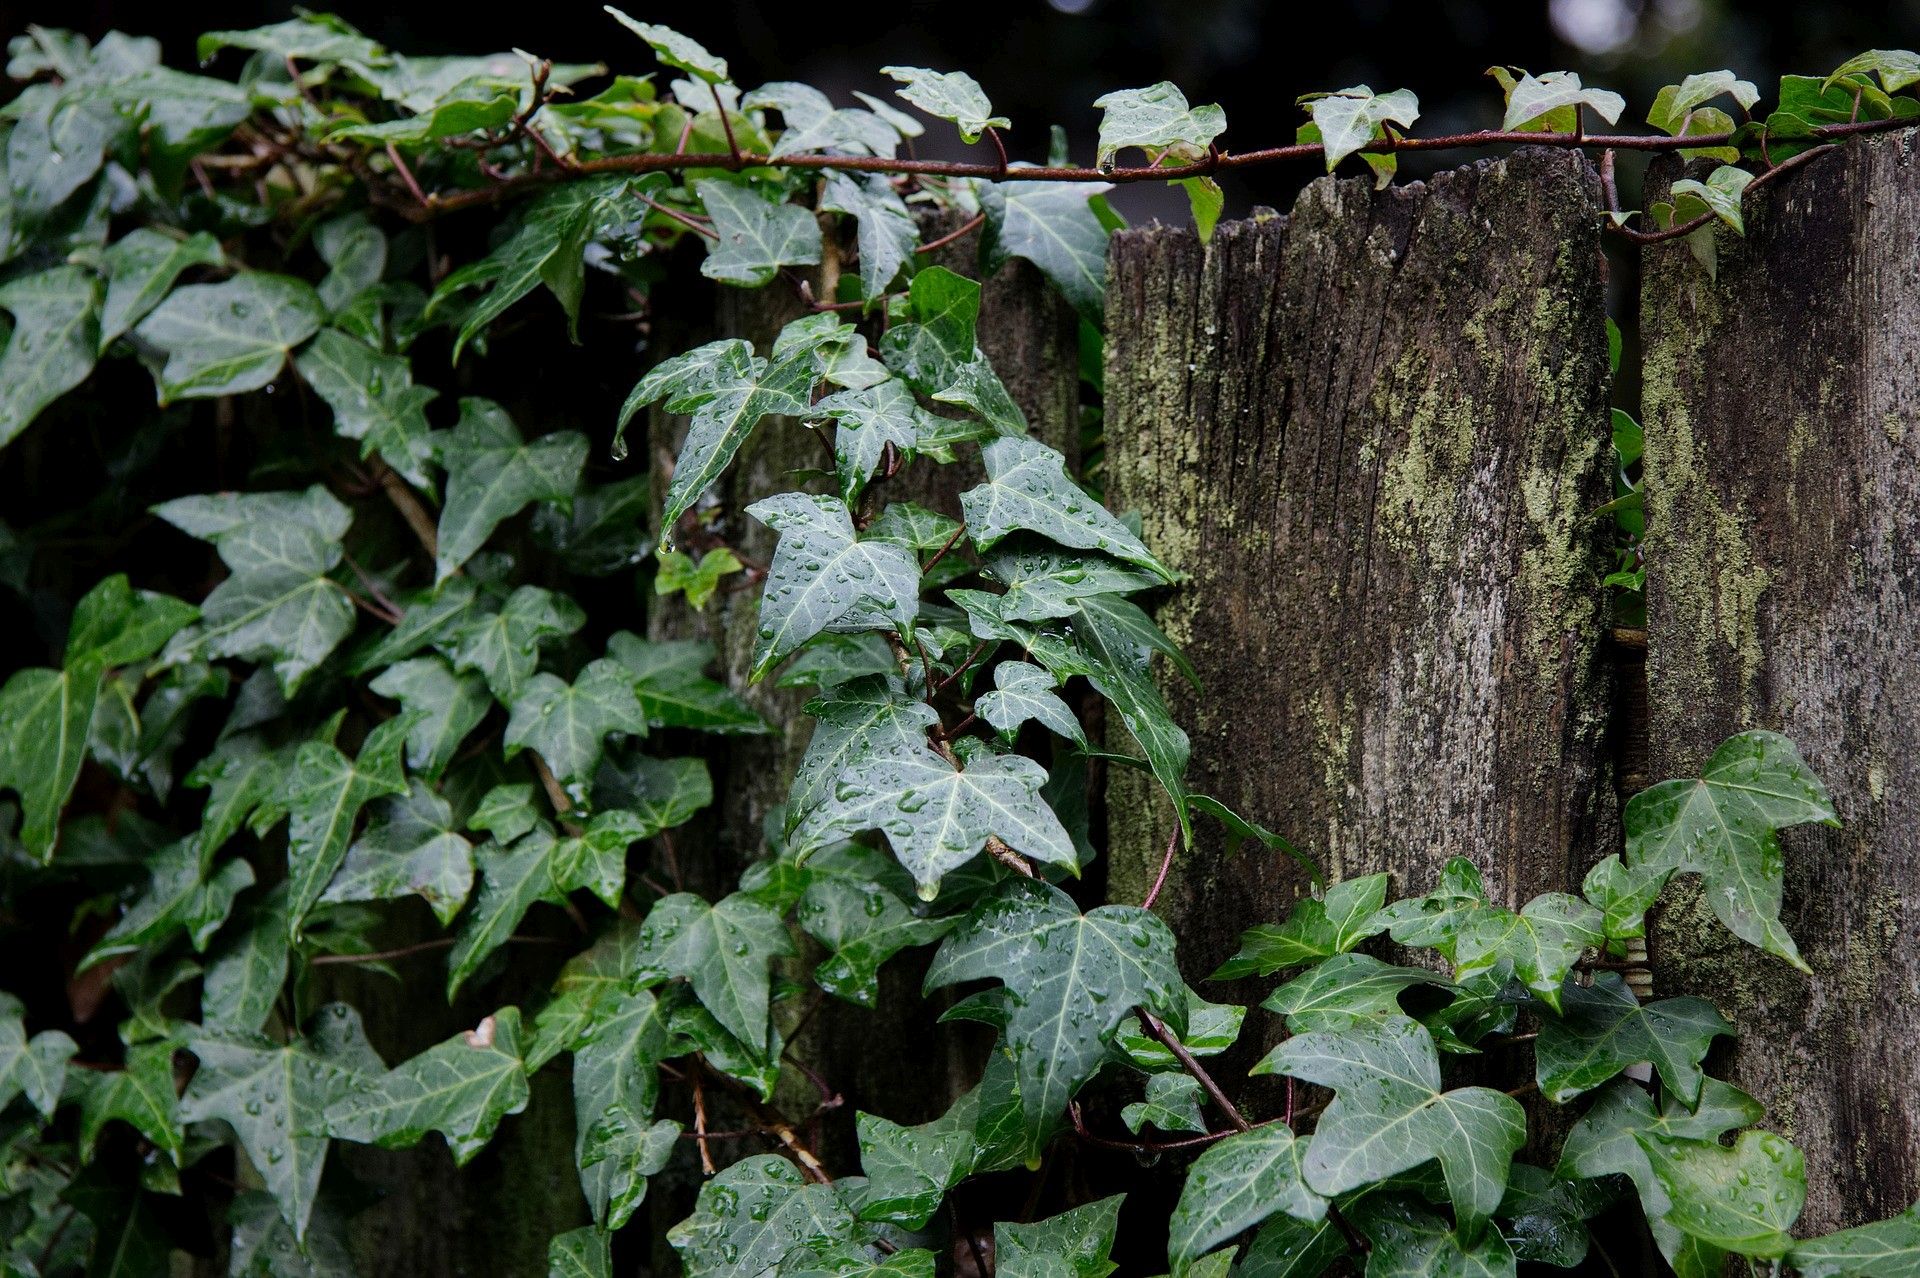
column 1043, row 62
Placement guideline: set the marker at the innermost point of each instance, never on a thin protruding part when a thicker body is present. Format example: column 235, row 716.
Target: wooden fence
column 1374, row 432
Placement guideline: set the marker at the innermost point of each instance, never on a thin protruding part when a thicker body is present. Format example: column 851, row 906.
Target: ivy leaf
column 1742, row 1200
column 1344, row 991
column 1603, row 1029
column 56, row 335
column 953, row 96
column 355, row 250
column 263, row 1244
column 1045, row 584
column 248, row 969
column 568, row 722
column 1543, row 941
column 180, row 897
column 1316, row 928
column 615, row 1086
column 35, row 1066
column 1884, row 1249
column 548, row 248
column 910, row 1169
column 275, row 1098
column 492, row 475
column 1611, row 1138
column 722, row 950
column 443, row 706
column 1351, row 118
column 1022, row 692
column 1158, row 120
column 1074, row 1244
column 409, row 848
column 1722, row 826
column 140, row 1095
column 1410, row 1242
column 1546, row 1216
column 44, row 716
column 604, row 531
column 373, row 399
column 658, row 793
column 512, row 879
column 1897, row 68
column 866, row 421
column 1028, row 489
column 754, row 1213
column 461, row 1088
column 311, row 37
column 1172, row 1104
column 854, row 723
column 679, row 574
column 847, row 1260
column 1071, row 978
column 231, row 337
column 586, row 1252
column 813, row 123
column 862, row 925
column 504, row 646
column 1234, row 1186
column 728, row 390
column 324, row 796
column 929, row 351
column 1623, row 896
column 823, row 574
column 885, row 230
column 673, row 687
column 1054, row 226
column 1533, row 101
column 1211, row 1029
column 938, row 817
column 1719, row 195
column 1390, row 1114
column 756, row 236
column 1114, row 642
column 682, row 53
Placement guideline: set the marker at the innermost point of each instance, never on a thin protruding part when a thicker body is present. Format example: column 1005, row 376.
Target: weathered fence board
column 1374, row 433
column 1782, row 406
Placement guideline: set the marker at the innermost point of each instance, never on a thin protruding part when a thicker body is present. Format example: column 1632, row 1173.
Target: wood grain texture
column 1374, row 433
column 1782, row 407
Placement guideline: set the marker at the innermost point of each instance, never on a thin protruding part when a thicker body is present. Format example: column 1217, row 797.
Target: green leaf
column 54, row 150
column 512, row 879
column 1546, row 1216
column 1158, row 120
column 854, row 723
column 674, row 690
column 682, row 53
column 56, row 336
column 813, row 123
column 1028, row 489
column 824, row 576
column 1071, row 978
column 1390, row 1114
column 1720, row 195
column 1211, row 1029
column 247, row 970
column 754, row 1213
column 659, row 793
column 324, row 796
column 264, row 1245
column 615, row 1086
column 1883, row 1249
column 311, row 37
column 443, row 706
column 848, row 1260
column 1723, row 827
column 1351, row 118
column 1044, row 584
column 1234, row 1186
column 180, row 896
column 1289, row 1248
column 1410, row 1242
column 865, row 421
column 580, row 1253
column 756, row 236
column 461, row 1088
column 910, row 1169
column 275, row 1097
column 1897, row 68
column 1316, row 928
column 1114, row 642
column 722, row 951
column 35, row 1066
column 728, row 390
column 1022, row 692
column 885, row 230
column 1542, row 941
column 1074, row 1244
column 1532, row 102
column 569, row 722
column 1742, row 1200
column 44, row 716
column 862, row 925
column 409, row 848
column 1611, row 1138
column 679, row 574
column 1623, row 896
column 1053, row 225
column 604, row 531
column 1603, row 1029
column 504, row 646
column 953, row 96
column 492, row 475
column 140, row 1095
column 937, row 817
column 1172, row 1104
column 929, row 351
column 1345, row 991
column 373, row 399
column 231, row 337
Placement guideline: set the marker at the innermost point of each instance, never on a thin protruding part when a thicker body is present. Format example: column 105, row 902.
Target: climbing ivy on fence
column 388, row 687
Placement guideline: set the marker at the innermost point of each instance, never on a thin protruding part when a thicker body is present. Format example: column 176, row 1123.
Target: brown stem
column 404, row 500
column 966, row 228
column 420, row 947
column 557, row 797
column 726, row 125
column 406, row 175
column 1166, row 863
column 1171, row 1041
column 700, row 1125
